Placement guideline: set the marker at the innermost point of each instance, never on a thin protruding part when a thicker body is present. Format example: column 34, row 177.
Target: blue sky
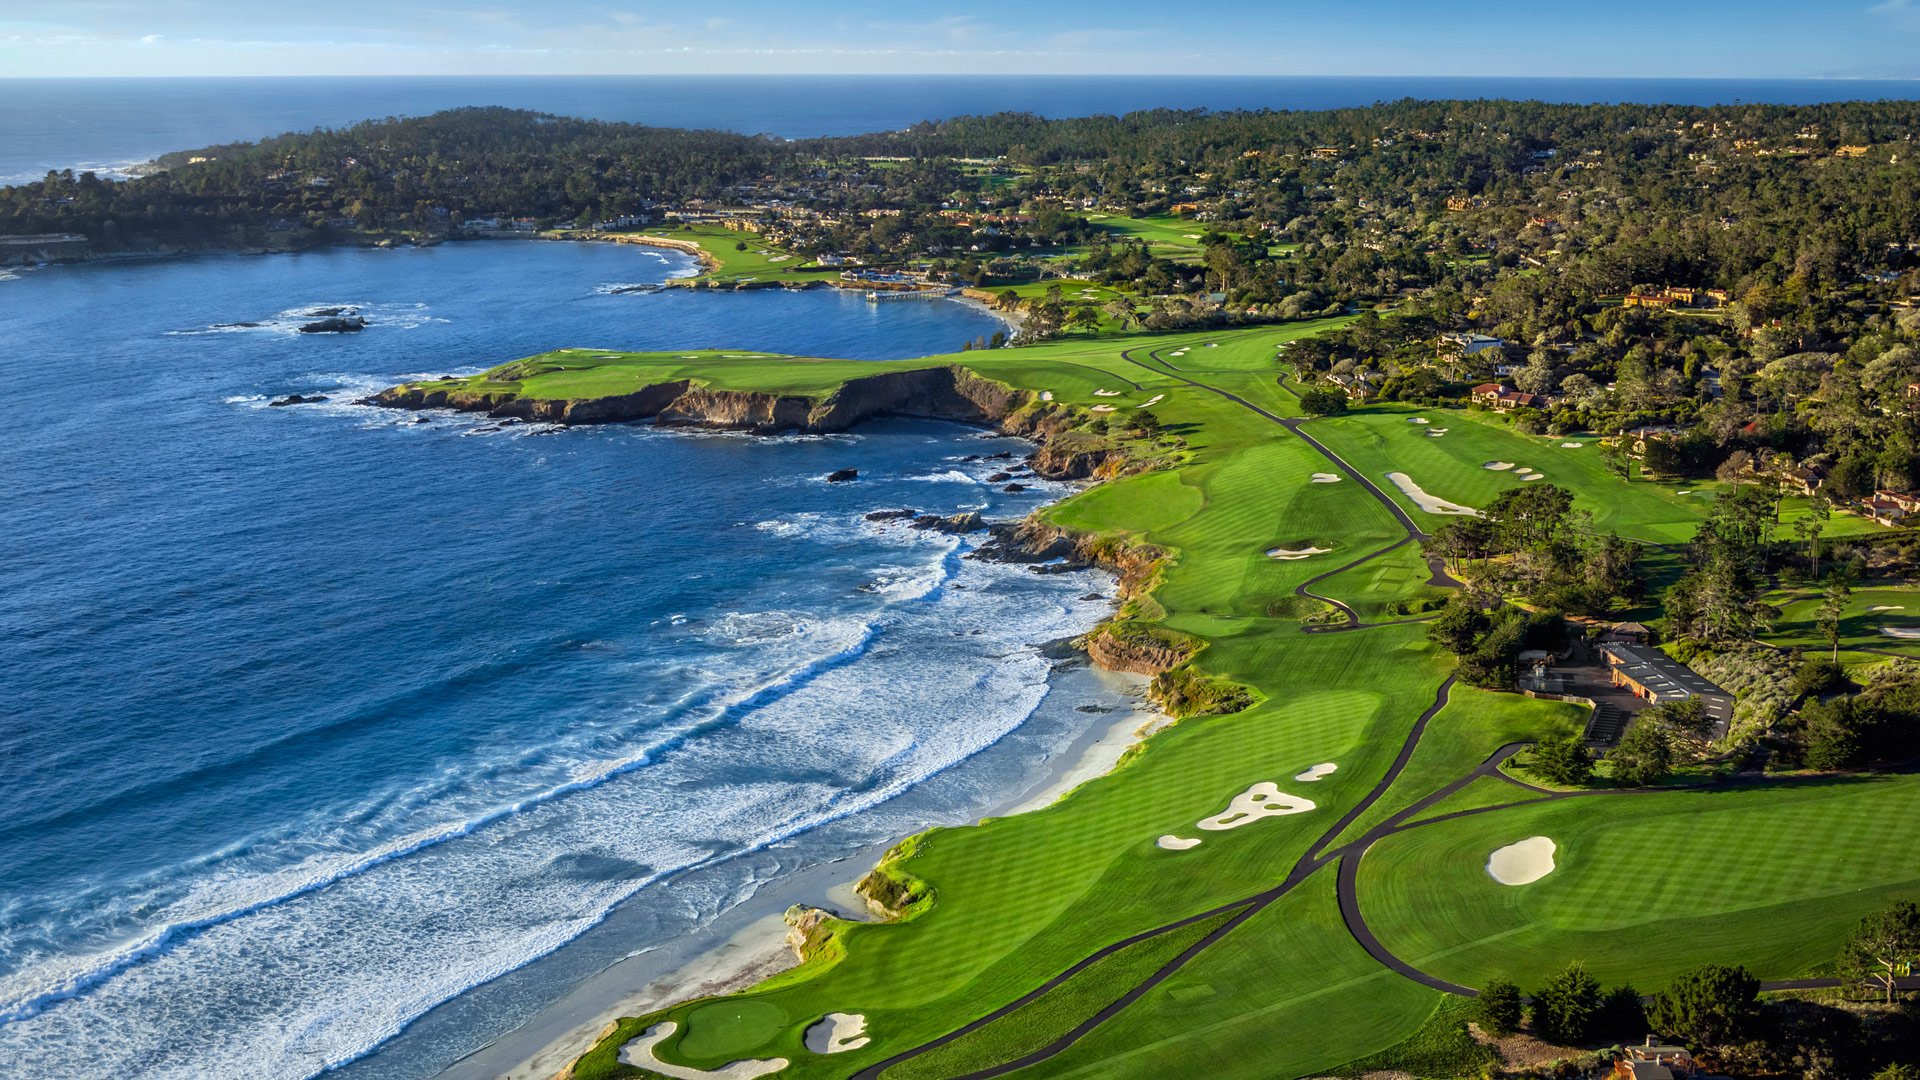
column 1751, row 38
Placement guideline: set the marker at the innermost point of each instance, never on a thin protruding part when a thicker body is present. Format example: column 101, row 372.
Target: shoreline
column 748, row 943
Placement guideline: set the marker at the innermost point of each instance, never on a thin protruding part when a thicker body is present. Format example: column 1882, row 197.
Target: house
column 1653, row 1061
column 1654, row 301
column 1459, row 204
column 1907, row 501
column 1487, row 394
column 1520, row 399
column 1885, row 511
column 1803, row 480
column 1627, row 633
column 1463, row 344
column 1658, row 678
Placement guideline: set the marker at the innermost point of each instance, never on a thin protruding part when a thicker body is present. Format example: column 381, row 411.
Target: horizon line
column 1162, row 77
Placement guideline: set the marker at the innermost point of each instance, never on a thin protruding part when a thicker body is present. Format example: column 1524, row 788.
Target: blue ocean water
column 318, row 717
column 108, row 124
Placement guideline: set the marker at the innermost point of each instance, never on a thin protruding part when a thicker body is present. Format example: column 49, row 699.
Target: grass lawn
column 1871, row 612
column 1381, row 439
column 1768, row 876
column 1649, row 885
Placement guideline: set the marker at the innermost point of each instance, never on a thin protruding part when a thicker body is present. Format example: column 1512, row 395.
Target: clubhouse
column 1658, row 678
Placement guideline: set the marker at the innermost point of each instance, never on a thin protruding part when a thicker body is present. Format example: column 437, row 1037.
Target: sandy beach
column 747, row 943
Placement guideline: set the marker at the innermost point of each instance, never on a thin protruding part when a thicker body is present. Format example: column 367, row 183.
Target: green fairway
column 1381, row 439
column 1647, row 886
column 1871, row 613
column 1019, row 901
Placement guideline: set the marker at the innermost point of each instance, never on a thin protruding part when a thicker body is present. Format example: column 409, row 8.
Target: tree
column 1621, row 1014
column 1833, row 608
column 1563, row 760
column 1497, row 1009
column 1897, row 1071
column 1613, row 458
column 1566, row 1007
column 1324, row 401
column 1644, row 755
column 1882, row 946
column 1144, row 423
column 1711, row 1005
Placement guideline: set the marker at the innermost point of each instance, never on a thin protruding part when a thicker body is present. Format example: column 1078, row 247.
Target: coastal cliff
column 942, row 393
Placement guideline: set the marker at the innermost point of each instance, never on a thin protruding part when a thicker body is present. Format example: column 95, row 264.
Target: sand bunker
column 1888, row 607
column 1532, row 476
column 1262, row 800
column 1101, row 408
column 836, row 1033
column 1523, row 863
column 1154, row 400
column 1326, row 478
column 1570, row 445
column 639, row 1054
column 1437, row 433
column 1046, row 395
column 1498, row 466
column 1427, row 502
column 1417, row 420
column 1323, row 769
column 1106, row 393
column 1901, row 631
column 1171, row 842
column 1289, row 553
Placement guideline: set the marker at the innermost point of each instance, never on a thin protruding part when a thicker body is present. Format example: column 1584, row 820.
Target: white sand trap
column 1324, row 769
column 1326, row 478
column 1106, row 393
column 1570, row 445
column 1427, row 502
column 1523, row 863
column 779, row 258
column 1497, row 466
column 1192, row 235
column 1262, row 800
column 1437, row 433
column 1171, row 842
column 1154, row 400
column 1046, row 395
column 1101, row 408
column 837, row 1033
column 1213, row 344
column 1683, row 493
column 1289, row 553
column 1418, row 420
column 1901, row 631
column 1888, row 607
column 639, row 1053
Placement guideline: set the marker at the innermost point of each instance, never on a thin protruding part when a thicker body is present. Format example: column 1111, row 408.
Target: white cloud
column 153, row 39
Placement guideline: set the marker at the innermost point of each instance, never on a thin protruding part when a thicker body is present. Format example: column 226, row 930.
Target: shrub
column 1497, row 1009
column 1566, row 1008
column 1323, row 401
column 1708, row 1006
column 1563, row 760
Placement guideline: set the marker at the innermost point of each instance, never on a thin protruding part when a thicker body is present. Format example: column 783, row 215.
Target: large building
column 1660, row 679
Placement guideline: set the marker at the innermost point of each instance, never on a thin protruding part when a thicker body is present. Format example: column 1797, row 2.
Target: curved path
column 1318, row 855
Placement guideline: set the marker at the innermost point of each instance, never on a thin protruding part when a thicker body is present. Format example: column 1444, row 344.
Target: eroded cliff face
column 942, row 393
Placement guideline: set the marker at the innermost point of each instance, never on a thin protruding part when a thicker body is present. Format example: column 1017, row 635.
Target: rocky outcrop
column 1141, row 649
column 335, row 324
column 969, row 521
column 297, row 399
column 807, row 929
column 841, row 476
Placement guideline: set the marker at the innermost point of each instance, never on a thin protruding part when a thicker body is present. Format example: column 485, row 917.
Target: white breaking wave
column 317, row 965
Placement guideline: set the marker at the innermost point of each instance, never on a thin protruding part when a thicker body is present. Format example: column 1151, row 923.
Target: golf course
column 1292, row 879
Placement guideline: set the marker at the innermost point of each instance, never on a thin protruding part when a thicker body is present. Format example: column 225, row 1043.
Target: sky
column 1708, row 38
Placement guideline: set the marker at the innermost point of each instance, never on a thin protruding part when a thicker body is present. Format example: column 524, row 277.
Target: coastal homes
column 1889, row 507
column 1464, row 344
column 1505, row 398
column 1658, row 678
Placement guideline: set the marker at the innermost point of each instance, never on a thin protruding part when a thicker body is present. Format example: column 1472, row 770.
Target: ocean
column 319, row 717
column 111, row 124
